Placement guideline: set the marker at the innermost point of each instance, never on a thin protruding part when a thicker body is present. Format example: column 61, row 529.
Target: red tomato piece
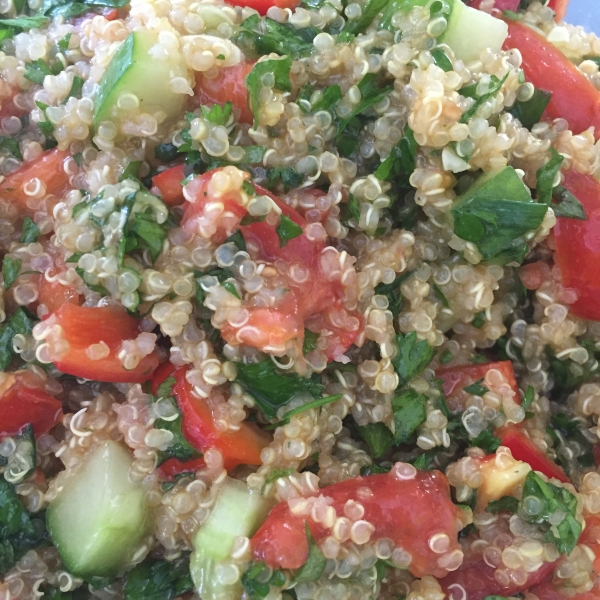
column 54, row 294
column 559, row 7
column 173, row 466
column 8, row 108
column 241, row 447
column 522, row 448
column 84, row 326
column 48, row 167
column 169, row 185
column 546, row 591
column 574, row 98
column 591, row 538
column 500, row 4
column 578, row 246
column 474, row 580
column 228, row 86
column 409, row 511
column 457, row 378
column 21, row 405
column 262, row 6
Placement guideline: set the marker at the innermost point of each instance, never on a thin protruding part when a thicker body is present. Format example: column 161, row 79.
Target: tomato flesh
column 54, row 294
column 21, row 405
column 559, row 7
column 262, row 6
column 84, row 326
column 169, row 185
column 241, row 447
column 522, row 448
column 228, row 86
column 48, row 167
column 574, row 98
column 578, row 246
column 409, row 512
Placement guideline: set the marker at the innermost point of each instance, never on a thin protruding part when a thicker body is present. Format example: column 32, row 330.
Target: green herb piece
column 412, row 356
column 288, row 176
column 495, row 86
column 392, row 292
column 303, row 408
column 310, row 341
column 287, row 230
column 437, row 292
column 36, row 71
column 552, row 500
column 425, row 461
column 546, row 176
column 401, row 161
column 69, row 9
column 10, row 270
column 10, row 145
column 370, row 10
column 20, row 322
column 566, row 205
column 63, row 44
column 30, row 232
column 180, row 448
column 530, row 111
column 254, row 154
column 46, row 127
column 478, row 320
column 259, row 37
column 476, row 388
column 446, row 356
column 487, row 441
column 507, row 503
column 148, row 234
column 370, row 95
column 255, row 584
column 276, row 474
column 230, row 287
column 19, row 532
column 331, row 96
column 496, row 213
column 165, row 388
column 441, row 60
column 272, row 390
column 131, row 170
column 378, row 437
column 279, row 69
column 217, row 114
column 374, row 469
column 25, row 23
column 528, row 398
column 76, row 88
column 238, row 239
column 166, row 152
column 159, row 580
column 314, row 566
column 409, row 414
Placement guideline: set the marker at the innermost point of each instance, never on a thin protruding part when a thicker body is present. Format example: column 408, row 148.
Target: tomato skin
column 241, row 447
column 262, row 6
column 48, row 167
column 169, row 185
column 84, row 326
column 477, row 579
column 228, row 86
column 522, row 448
column 21, row 405
column 559, row 7
column 457, row 378
column 409, row 512
column 578, row 246
column 574, row 98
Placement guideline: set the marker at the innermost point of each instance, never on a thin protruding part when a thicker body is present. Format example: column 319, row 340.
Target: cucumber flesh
column 98, row 519
column 471, row 31
column 238, row 511
column 133, row 70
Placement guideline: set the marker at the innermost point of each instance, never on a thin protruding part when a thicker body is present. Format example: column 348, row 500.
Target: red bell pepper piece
column 84, row 326
column 574, row 97
column 169, row 185
column 578, row 246
column 21, row 405
column 412, row 512
column 522, row 448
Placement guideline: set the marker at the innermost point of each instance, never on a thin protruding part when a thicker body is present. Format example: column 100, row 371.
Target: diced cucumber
column 471, row 31
column 133, row 70
column 100, row 516
column 238, row 511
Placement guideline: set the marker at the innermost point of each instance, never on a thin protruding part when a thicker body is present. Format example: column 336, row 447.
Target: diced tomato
column 241, row 447
column 262, row 6
column 169, row 185
column 477, row 580
column 21, row 405
column 162, row 373
column 54, row 294
column 8, row 108
column 110, row 14
column 546, row 591
column 559, row 7
column 534, row 274
column 173, row 467
column 228, row 86
column 409, row 511
column 455, row 379
column 522, row 448
column 578, row 246
column 574, row 97
column 591, row 538
column 500, row 4
column 85, row 326
column 48, row 167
